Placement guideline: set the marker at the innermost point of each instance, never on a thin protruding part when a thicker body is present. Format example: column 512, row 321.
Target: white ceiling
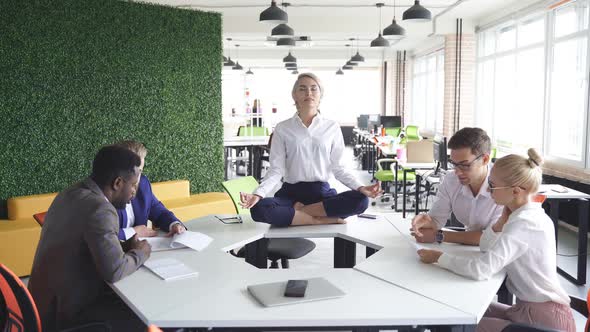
column 330, row 24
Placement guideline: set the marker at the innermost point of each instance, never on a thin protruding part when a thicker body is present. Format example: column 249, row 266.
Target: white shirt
column 302, row 154
column 525, row 248
column 476, row 213
column 128, row 230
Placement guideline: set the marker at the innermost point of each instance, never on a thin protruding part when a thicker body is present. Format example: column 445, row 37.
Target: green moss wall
column 78, row 74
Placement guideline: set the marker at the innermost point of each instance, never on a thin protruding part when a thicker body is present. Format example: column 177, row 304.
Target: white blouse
column 525, row 248
column 306, row 154
column 475, row 212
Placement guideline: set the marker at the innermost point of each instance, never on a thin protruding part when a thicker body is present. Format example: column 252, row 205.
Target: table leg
column 226, row 162
column 395, row 187
column 344, row 253
column 404, row 195
column 417, row 196
column 583, row 207
column 369, row 252
column 257, row 253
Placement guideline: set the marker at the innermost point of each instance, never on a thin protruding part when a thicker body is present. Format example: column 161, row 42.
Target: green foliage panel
column 79, row 74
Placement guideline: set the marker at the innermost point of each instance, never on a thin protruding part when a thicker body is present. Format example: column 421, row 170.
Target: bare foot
column 298, row 206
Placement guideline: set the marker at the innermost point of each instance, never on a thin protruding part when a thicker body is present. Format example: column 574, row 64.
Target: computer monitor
column 391, row 121
column 374, row 122
column 363, row 121
column 439, row 149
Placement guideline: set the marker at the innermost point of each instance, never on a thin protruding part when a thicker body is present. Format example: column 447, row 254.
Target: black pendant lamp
column 228, row 62
column 286, row 42
column 417, row 13
column 274, row 15
column 249, row 72
column 357, row 58
column 237, row 65
column 289, row 58
column 394, row 30
column 282, row 31
column 295, row 72
column 290, row 65
column 347, row 67
column 339, row 72
column 379, row 41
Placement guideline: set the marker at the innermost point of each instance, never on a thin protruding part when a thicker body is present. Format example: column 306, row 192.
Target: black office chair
column 278, row 249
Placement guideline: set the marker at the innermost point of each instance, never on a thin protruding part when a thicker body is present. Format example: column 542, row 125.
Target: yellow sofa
column 19, row 234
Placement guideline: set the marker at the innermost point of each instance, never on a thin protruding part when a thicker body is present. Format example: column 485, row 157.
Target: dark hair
column 111, row 162
column 475, row 139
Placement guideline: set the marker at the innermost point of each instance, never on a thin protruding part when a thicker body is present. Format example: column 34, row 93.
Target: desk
column 217, row 298
column 553, row 200
column 253, row 144
column 409, row 167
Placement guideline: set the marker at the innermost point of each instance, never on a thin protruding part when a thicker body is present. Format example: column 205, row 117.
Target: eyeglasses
column 464, row 166
column 230, row 219
column 491, row 187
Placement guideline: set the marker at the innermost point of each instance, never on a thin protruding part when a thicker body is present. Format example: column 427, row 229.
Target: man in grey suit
column 79, row 249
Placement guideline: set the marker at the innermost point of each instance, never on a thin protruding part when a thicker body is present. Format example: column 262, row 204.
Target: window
column 568, row 84
column 345, row 97
column 532, row 83
column 428, row 92
column 510, row 84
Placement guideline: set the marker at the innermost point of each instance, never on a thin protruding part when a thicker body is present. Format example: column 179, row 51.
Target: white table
column 252, row 143
column 375, row 294
column 555, row 195
column 408, row 167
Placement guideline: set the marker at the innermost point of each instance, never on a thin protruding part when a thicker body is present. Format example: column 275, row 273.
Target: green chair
column 253, row 131
column 278, row 249
column 387, row 178
column 411, row 133
column 395, row 131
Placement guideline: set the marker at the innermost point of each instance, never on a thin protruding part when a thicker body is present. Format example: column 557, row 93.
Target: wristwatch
column 439, row 236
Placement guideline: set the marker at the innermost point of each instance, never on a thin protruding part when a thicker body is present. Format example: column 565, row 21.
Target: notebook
column 272, row 294
column 195, row 240
column 170, row 268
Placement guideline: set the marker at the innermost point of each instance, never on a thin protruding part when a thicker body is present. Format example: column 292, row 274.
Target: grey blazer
column 78, row 251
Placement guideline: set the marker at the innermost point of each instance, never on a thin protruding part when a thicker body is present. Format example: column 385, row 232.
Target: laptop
column 272, row 294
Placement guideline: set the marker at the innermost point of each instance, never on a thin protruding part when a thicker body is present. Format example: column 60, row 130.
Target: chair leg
column 284, row 263
column 274, row 264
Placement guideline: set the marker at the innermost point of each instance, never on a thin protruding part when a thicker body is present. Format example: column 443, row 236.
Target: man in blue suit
column 133, row 218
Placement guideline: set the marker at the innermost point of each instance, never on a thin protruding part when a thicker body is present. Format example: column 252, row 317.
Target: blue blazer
column 146, row 206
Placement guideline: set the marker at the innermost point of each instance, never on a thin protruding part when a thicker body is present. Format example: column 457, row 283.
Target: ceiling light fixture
column 289, row 58
column 394, row 30
column 249, row 72
column 339, row 72
column 283, row 30
column 237, row 66
column 379, row 41
column 273, row 15
column 417, row 13
column 295, row 72
column 229, row 62
column 286, row 42
column 357, row 58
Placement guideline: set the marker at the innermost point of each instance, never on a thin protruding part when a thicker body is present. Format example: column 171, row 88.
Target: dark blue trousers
column 279, row 210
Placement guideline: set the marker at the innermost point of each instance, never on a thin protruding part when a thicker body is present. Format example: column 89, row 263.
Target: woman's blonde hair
column 519, row 171
column 313, row 77
column 134, row 146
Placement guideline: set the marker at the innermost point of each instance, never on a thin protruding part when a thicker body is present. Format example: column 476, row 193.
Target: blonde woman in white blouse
column 522, row 242
column 306, row 151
